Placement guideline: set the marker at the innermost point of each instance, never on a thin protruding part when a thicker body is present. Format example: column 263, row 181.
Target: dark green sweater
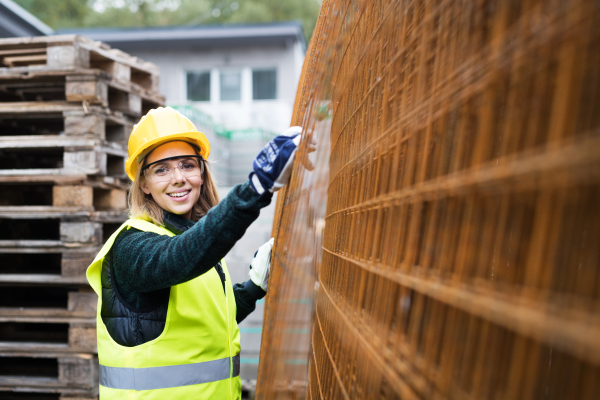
column 146, row 264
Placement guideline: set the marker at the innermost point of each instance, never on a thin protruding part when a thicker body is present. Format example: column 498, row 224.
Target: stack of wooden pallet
column 67, row 106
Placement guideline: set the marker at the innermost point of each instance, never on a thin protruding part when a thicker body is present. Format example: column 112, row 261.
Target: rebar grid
column 447, row 243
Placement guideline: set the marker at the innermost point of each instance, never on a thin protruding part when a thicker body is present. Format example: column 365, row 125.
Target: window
column 198, row 86
column 231, row 83
column 264, row 84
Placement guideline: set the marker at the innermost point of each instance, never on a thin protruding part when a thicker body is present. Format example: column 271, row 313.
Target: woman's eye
column 188, row 167
column 161, row 171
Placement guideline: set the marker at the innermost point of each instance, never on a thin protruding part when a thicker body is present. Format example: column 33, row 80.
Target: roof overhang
column 15, row 21
column 219, row 36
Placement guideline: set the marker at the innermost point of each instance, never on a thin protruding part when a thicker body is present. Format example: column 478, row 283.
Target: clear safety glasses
column 163, row 170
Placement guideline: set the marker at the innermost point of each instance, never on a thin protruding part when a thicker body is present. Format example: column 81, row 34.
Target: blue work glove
column 273, row 165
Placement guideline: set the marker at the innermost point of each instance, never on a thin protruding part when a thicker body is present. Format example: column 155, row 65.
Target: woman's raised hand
column 272, row 167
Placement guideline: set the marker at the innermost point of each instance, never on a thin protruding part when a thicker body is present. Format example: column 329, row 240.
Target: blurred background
column 231, row 66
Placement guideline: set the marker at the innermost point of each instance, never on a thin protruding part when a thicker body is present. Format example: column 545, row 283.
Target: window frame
column 265, row 69
column 187, row 86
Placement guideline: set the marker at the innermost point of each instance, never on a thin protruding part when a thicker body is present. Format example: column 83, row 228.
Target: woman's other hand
column 261, row 265
column 273, row 165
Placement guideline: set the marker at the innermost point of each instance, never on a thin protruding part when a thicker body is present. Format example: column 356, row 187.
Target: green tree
column 146, row 13
column 58, row 14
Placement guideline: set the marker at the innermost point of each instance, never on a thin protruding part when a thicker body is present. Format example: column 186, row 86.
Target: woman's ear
column 144, row 187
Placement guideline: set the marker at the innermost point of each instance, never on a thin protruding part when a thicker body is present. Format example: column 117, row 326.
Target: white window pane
column 231, row 83
column 198, row 86
column 264, row 84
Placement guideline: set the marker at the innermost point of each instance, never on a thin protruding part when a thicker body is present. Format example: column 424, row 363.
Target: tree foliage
column 57, row 14
column 148, row 13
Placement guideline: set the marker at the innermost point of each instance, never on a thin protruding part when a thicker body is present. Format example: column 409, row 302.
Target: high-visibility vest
column 197, row 354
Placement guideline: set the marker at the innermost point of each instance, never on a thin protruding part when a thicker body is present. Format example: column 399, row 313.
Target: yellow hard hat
column 159, row 126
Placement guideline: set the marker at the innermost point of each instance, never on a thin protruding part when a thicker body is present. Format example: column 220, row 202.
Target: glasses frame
column 201, row 165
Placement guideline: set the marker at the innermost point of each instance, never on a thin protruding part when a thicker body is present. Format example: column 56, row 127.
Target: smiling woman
column 173, row 178
column 167, row 310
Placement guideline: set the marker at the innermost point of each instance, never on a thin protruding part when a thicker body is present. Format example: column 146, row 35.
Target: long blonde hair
column 143, row 206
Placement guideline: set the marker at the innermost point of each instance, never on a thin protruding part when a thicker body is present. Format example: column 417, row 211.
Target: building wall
column 271, row 115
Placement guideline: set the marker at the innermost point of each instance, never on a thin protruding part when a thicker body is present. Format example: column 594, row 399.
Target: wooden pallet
column 46, row 265
column 47, row 303
column 50, row 372
column 34, row 155
column 67, row 120
column 57, row 226
column 47, row 319
column 72, row 52
column 63, row 337
column 47, row 199
column 92, row 87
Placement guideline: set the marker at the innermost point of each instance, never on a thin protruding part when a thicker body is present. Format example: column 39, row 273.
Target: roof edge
column 186, row 32
column 27, row 17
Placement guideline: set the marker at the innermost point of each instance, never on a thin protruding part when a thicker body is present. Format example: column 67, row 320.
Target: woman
column 167, row 311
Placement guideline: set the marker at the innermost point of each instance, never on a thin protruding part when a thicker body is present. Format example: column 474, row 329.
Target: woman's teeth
column 180, row 194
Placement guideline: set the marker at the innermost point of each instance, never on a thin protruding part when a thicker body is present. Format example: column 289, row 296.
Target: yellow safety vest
column 197, row 354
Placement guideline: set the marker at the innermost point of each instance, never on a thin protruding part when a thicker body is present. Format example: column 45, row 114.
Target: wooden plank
column 39, row 141
column 36, row 212
column 74, row 265
column 4, row 53
column 83, row 302
column 113, row 199
column 81, row 232
column 25, row 60
column 45, row 244
column 72, row 196
column 41, row 279
column 24, row 107
column 9, row 174
column 80, row 123
column 39, row 41
column 127, row 103
column 42, row 178
column 80, row 88
column 78, row 371
column 47, row 315
column 71, row 56
column 119, row 71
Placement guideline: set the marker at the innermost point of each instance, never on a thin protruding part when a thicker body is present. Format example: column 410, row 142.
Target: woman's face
column 177, row 193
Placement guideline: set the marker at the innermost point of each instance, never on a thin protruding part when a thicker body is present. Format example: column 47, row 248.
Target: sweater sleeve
column 145, row 261
column 246, row 294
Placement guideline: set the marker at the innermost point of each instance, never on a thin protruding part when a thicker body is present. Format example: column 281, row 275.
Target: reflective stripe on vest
column 170, row 376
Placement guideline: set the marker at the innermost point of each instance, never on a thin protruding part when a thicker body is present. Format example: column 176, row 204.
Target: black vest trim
column 126, row 325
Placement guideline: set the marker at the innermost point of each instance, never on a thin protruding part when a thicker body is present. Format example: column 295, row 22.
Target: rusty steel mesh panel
column 446, row 244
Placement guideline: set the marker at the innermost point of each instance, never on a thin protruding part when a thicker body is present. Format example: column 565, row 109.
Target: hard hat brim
column 197, row 138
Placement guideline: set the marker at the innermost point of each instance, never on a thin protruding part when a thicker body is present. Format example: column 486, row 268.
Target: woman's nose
column 177, row 175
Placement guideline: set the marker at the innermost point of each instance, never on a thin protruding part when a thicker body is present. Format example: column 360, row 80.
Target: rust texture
column 446, row 244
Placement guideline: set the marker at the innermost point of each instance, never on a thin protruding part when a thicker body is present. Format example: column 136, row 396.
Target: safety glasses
column 163, row 170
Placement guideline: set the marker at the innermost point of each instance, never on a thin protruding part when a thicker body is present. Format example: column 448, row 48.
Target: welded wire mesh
column 447, row 243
